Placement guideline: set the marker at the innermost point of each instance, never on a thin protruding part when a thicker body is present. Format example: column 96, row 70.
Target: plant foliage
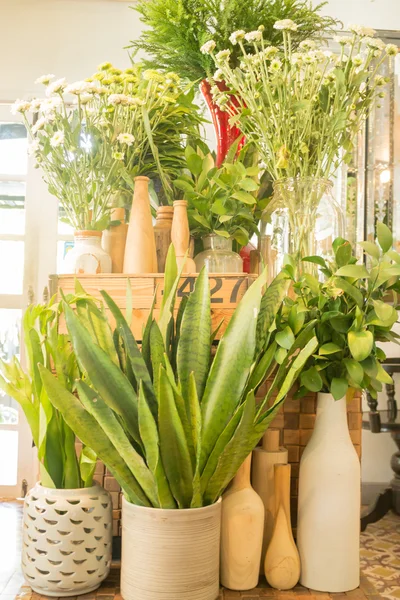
column 172, row 429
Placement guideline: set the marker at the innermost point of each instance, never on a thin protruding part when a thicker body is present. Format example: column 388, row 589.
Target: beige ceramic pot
column 170, row 554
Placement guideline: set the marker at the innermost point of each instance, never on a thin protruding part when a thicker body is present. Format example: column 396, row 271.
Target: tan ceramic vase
column 114, row 240
column 162, row 234
column 265, row 458
column 181, row 237
column 140, row 249
column 282, row 562
column 170, row 554
column 241, row 532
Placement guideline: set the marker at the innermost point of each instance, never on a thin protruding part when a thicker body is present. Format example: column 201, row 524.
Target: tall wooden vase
column 180, row 235
column 265, row 458
column 241, row 532
column 140, row 249
column 328, row 525
column 162, row 234
column 282, row 562
column 114, row 240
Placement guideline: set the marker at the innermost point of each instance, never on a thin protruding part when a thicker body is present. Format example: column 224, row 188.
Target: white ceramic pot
column 67, row 540
column 170, row 554
column 87, row 257
column 328, row 527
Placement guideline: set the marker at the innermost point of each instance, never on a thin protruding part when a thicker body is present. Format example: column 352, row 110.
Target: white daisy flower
column 374, row 43
column 80, row 87
column 57, row 139
column 35, row 105
column 118, row 99
column 208, row 47
column 126, row 138
column 254, row 36
column 33, row 147
column 269, row 52
column 286, row 24
column 275, row 65
column 50, row 104
column 45, row 79
column 237, row 36
column 56, row 87
column 222, row 56
column 39, row 125
column 362, row 31
column 307, row 45
column 133, row 101
column 218, row 75
column 358, row 60
column 20, row 106
column 118, row 155
column 391, row 49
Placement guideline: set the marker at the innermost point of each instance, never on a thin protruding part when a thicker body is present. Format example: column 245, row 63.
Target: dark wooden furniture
column 385, row 421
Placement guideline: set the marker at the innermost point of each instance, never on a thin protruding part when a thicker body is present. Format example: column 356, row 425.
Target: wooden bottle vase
column 162, row 234
column 181, row 237
column 265, row 458
column 140, row 249
column 241, row 532
column 282, row 561
column 114, row 240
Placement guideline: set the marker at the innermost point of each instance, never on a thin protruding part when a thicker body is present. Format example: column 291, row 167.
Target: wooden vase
column 265, row 458
column 282, row 562
column 162, row 234
column 241, row 532
column 140, row 249
column 180, row 235
column 114, row 240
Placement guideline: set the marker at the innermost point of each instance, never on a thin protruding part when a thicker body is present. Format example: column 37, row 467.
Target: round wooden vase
column 328, row 527
column 241, row 532
column 114, row 240
column 265, row 458
column 140, row 249
column 180, row 235
column 282, row 562
column 162, row 234
column 170, row 554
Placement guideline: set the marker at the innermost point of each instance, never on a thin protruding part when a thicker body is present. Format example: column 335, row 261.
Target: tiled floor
column 380, row 567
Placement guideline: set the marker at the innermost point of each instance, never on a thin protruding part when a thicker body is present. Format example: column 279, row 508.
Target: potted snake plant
column 66, row 508
column 174, row 426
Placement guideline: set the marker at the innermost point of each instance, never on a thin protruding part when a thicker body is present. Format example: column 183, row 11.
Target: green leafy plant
column 352, row 313
column 45, row 346
column 177, row 29
column 300, row 108
column 224, row 201
column 170, row 424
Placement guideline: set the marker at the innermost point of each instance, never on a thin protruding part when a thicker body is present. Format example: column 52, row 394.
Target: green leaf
column 87, row 465
column 339, row 388
column 385, row 237
column 194, row 347
column 371, row 248
column 343, row 254
column 329, row 348
column 195, row 164
column 244, row 197
column 311, row 379
column 249, row 185
column 383, row 310
column 318, row 260
column 354, row 369
column 360, row 344
column 354, row 271
column 349, row 289
column 285, row 338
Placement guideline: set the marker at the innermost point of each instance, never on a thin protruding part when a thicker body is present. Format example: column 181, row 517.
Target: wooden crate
column 226, row 291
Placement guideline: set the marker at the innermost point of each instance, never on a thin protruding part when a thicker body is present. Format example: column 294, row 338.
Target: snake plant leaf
column 270, row 304
column 35, row 356
column 169, row 297
column 107, row 420
column 146, row 338
column 151, row 442
column 173, row 445
column 50, row 451
column 112, row 385
column 157, row 352
column 195, row 422
column 133, row 353
column 102, row 330
column 91, row 434
column 263, row 368
column 195, row 343
column 24, row 399
column 234, row 453
column 171, row 274
column 178, row 324
column 72, row 476
column 87, row 465
column 230, row 368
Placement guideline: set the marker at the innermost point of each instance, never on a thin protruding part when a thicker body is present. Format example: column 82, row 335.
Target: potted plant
column 174, row 430
column 223, row 206
column 67, row 522
column 353, row 314
column 302, row 108
column 175, row 34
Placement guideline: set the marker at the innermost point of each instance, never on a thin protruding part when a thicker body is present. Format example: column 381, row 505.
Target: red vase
column 245, row 254
column 225, row 134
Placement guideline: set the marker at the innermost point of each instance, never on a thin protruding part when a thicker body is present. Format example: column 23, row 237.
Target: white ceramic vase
column 328, row 528
column 170, row 554
column 87, row 257
column 67, row 540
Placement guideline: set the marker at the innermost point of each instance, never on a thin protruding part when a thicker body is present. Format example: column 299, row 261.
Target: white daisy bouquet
column 301, row 107
column 91, row 138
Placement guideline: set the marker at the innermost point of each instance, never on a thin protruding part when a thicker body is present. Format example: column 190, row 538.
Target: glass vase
column 302, row 219
column 218, row 256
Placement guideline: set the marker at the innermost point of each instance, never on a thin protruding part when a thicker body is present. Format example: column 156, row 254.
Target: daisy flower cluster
column 301, row 105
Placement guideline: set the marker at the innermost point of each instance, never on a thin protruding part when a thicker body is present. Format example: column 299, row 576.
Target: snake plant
column 44, row 345
column 172, row 425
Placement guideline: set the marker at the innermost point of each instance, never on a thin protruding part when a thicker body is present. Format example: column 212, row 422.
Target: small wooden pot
column 170, row 554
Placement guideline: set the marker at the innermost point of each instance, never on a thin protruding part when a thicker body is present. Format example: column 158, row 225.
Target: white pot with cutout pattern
column 67, row 540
